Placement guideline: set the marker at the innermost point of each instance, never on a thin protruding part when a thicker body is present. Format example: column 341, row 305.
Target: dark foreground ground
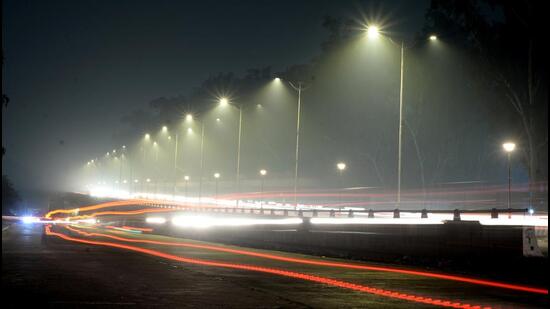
column 55, row 273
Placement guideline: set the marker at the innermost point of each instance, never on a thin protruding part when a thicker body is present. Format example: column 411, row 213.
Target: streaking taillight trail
column 325, row 263
column 279, row 272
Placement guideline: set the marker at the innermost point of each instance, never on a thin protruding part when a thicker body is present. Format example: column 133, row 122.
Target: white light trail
column 206, row 221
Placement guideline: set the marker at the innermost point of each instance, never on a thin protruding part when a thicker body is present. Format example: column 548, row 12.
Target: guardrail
column 350, row 213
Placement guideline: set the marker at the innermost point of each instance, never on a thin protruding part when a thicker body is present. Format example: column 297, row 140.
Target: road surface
column 63, row 273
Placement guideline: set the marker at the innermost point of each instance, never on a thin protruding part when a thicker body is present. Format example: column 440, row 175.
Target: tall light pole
column 341, row 166
column 509, row 147
column 299, row 88
column 186, row 179
column 373, row 32
column 263, row 173
column 202, row 162
column 225, row 102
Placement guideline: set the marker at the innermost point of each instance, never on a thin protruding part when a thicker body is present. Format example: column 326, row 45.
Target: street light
column 147, row 136
column 186, row 178
column 299, row 88
column 189, row 117
column 373, row 32
column 225, row 102
column 216, row 177
column 263, row 172
column 341, row 166
column 509, row 147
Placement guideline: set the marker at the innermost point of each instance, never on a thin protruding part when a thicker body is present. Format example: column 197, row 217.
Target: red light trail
column 328, row 264
column 290, row 274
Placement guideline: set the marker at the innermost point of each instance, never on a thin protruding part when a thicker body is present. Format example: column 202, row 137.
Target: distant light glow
column 433, row 37
column 341, row 166
column 509, row 146
column 277, row 79
column 189, row 130
column 155, row 220
column 164, row 129
column 147, row 136
column 189, row 117
column 217, row 175
column 263, row 172
column 186, row 178
column 30, row 219
column 224, row 101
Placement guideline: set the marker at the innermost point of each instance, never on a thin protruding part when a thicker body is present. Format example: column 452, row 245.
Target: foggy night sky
column 72, row 69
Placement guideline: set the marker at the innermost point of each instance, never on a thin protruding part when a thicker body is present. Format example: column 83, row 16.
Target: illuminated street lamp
column 189, row 117
column 373, row 32
column 341, row 166
column 263, row 173
column 509, row 147
column 186, row 179
column 225, row 102
column 216, row 177
column 298, row 88
column 164, row 129
column 147, row 136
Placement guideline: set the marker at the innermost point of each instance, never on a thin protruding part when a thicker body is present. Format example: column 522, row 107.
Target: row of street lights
column 372, row 32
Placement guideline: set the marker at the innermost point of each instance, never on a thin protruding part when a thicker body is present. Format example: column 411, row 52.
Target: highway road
column 94, row 266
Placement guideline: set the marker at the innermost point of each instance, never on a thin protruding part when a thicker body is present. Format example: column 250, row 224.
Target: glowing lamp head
column 189, row 130
column 123, row 146
column 263, row 172
column 373, row 32
column 148, row 179
column 136, row 180
column 164, row 129
column 218, row 120
column 433, row 37
column 216, row 175
column 277, row 79
column 147, row 136
column 341, row 166
column 189, row 117
column 154, row 143
column 509, row 147
column 186, row 178
column 224, row 101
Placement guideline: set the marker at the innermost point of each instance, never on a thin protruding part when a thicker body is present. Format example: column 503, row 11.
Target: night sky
column 72, row 69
